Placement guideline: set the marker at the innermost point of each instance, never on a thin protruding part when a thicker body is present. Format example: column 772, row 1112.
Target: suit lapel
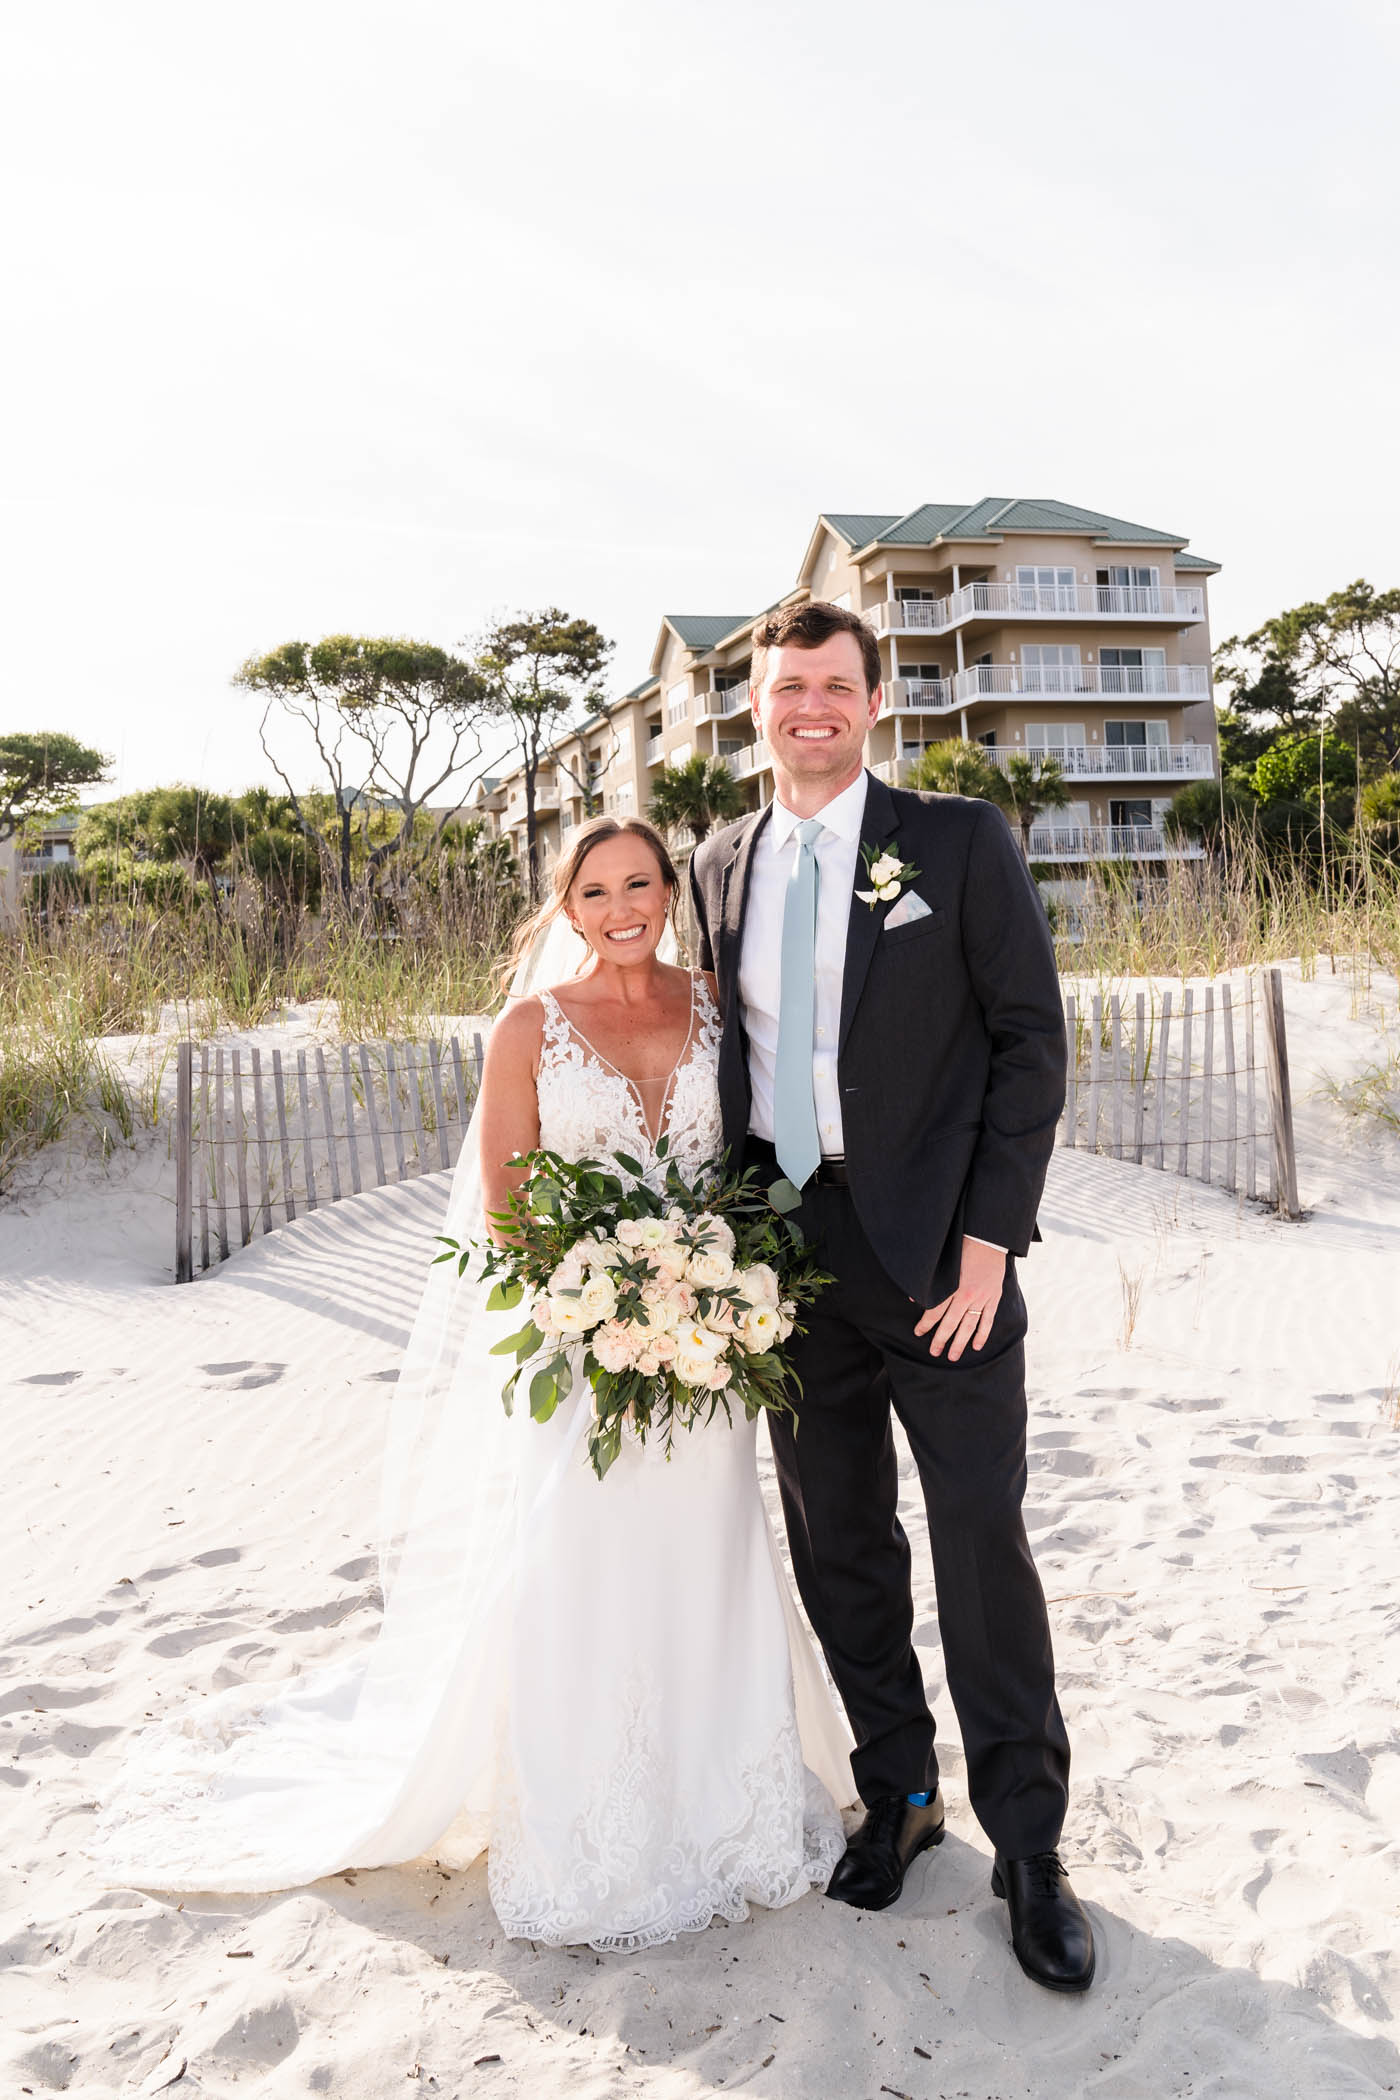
column 879, row 824
column 733, row 902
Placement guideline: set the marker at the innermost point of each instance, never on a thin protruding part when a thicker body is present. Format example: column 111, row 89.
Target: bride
column 605, row 1685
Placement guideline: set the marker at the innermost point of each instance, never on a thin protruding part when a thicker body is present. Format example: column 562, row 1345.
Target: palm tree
column 1032, row 785
column 697, row 794
column 1021, row 789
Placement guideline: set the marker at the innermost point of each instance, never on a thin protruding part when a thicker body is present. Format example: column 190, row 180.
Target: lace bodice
column 588, row 1109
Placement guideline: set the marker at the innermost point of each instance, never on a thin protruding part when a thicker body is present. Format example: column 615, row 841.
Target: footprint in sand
column 242, row 1377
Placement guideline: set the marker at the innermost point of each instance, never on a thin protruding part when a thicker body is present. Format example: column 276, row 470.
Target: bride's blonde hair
column 565, row 875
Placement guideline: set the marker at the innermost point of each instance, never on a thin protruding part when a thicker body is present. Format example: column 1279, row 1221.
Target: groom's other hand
column 968, row 1315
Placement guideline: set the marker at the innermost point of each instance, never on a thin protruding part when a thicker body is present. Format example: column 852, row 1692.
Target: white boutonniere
column 886, row 875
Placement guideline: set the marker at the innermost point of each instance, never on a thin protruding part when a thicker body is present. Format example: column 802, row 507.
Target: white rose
column 885, row 869
column 599, row 1296
column 629, row 1232
column 693, row 1370
column 568, row 1274
column 709, row 1267
column 694, row 1340
column 655, row 1232
column 542, row 1314
column 593, row 1254
column 715, row 1232
column 758, row 1284
column 567, row 1316
column 885, row 890
column 762, row 1327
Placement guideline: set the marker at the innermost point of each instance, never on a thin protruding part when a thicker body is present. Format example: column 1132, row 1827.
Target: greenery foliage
column 40, row 775
column 695, row 795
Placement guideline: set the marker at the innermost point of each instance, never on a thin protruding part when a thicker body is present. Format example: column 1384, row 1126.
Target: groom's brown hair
column 807, row 627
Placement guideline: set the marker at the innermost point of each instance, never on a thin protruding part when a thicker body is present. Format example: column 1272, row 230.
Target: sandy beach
column 1214, row 1503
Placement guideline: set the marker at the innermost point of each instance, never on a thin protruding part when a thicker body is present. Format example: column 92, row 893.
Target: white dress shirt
column 837, row 853
column 760, row 964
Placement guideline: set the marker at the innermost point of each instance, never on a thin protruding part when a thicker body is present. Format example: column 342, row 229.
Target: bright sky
column 327, row 317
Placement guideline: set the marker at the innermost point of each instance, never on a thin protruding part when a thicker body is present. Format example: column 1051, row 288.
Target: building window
column 1136, row 813
column 677, row 702
column 1138, row 733
column 1050, row 667
column 1126, row 589
column 1054, row 736
column 913, row 594
column 1045, row 590
column 1134, row 670
column 923, row 674
column 679, row 756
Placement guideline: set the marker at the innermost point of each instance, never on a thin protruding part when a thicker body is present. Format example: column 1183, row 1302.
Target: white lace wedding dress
column 607, row 1685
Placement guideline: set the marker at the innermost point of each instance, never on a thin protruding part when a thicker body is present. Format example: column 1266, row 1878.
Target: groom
column 894, row 1045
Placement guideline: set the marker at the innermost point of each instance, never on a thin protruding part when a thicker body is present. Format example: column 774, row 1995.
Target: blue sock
column 922, row 1800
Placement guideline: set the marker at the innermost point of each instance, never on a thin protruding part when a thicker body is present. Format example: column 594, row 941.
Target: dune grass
column 104, row 965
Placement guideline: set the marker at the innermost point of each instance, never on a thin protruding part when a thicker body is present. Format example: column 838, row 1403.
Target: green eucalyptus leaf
column 510, row 1346
column 503, row 1296
column 783, row 1196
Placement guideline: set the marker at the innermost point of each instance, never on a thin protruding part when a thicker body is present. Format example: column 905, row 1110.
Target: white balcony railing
column 924, row 696
column 752, row 759
column 1025, row 601
column 656, row 750
column 720, row 705
column 1108, row 842
column 1063, row 681
column 1117, row 761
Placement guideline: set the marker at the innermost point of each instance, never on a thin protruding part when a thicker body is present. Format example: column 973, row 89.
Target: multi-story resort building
column 1025, row 625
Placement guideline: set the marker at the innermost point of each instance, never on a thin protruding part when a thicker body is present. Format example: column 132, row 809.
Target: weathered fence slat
column 1159, row 1105
column 308, row 1171
column 395, row 1106
column 1115, row 1007
column 279, row 1095
column 323, row 1089
column 260, row 1124
column 240, row 1145
column 435, row 1074
column 201, row 1161
column 347, row 1088
column 1280, row 1097
column 1139, row 1073
column 1227, row 1024
column 414, row 1082
column 220, row 1147
column 1251, row 1186
column 1095, row 1059
column 184, row 1185
column 459, row 1078
column 373, row 1113
column 1207, row 1087
column 1184, row 1143
column 1072, row 1075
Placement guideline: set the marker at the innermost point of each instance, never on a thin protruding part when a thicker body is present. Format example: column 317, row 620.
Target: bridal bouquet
column 675, row 1304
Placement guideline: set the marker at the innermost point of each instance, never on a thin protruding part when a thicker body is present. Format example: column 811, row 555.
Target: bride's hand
column 968, row 1314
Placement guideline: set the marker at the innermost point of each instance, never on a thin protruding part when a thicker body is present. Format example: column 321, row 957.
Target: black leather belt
column 830, row 1173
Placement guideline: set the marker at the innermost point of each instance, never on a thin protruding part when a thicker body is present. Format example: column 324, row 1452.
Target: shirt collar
column 844, row 815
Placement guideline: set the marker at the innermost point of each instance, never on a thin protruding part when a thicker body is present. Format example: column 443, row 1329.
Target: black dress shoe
column 1051, row 1936
column 871, row 1872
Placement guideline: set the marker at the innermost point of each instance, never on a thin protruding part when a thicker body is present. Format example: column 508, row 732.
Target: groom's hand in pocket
column 968, row 1315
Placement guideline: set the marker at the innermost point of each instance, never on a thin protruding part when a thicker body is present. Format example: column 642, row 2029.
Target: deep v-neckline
column 653, row 1137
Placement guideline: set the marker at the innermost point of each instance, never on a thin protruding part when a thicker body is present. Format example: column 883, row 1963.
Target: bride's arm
column 508, row 1114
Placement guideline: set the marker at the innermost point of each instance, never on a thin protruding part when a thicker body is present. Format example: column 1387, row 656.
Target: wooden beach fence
column 259, row 1139
column 1193, row 1083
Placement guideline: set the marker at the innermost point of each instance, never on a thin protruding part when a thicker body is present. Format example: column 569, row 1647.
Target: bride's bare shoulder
column 517, row 1032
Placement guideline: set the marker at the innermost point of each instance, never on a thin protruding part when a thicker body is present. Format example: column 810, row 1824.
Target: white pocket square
column 907, row 908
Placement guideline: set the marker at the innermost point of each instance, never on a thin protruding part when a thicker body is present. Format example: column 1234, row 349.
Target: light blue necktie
column 795, row 1138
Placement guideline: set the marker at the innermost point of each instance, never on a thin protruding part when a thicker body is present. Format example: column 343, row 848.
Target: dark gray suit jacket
column 951, row 1059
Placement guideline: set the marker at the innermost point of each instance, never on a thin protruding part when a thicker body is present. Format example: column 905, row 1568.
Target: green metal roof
column 637, row 690
column 994, row 515
column 1196, row 561
column 859, row 527
column 703, row 630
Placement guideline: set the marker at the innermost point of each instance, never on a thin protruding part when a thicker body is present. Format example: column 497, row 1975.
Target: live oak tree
column 1332, row 660
column 391, row 722
column 40, row 775
column 540, row 671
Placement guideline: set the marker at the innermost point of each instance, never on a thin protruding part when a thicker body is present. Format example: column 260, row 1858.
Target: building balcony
column 717, row 706
column 656, row 750
column 1022, row 601
column 1073, row 681
column 919, row 696
column 752, row 759
column 1117, row 761
column 1079, row 842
